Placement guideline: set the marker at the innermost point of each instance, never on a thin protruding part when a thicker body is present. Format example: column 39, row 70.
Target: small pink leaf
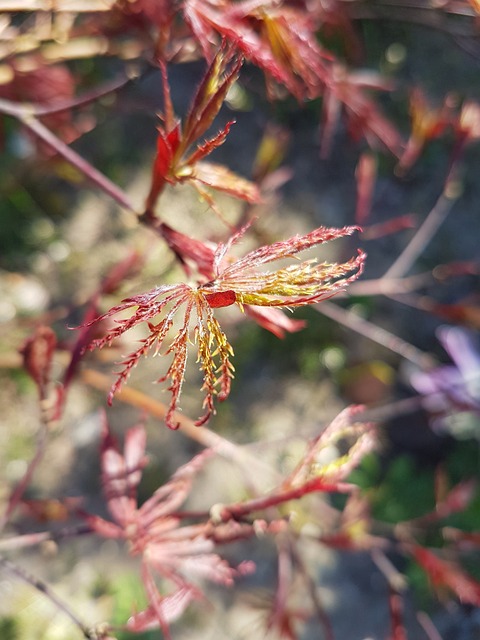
column 170, row 607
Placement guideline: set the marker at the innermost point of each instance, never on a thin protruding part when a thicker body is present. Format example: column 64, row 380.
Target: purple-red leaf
column 274, row 320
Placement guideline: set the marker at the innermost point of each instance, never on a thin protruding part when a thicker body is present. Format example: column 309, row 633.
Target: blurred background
column 59, row 237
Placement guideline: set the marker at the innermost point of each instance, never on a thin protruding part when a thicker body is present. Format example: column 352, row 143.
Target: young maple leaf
column 356, row 438
column 189, row 250
column 38, row 352
column 176, row 162
column 348, row 92
column 280, row 39
column 240, row 282
column 428, row 123
column 154, row 532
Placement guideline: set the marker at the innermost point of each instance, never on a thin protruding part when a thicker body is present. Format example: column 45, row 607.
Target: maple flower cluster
column 236, row 282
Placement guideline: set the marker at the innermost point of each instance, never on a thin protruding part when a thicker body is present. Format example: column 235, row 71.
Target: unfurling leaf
column 356, row 438
column 279, row 39
column 282, row 39
column 241, row 282
column 175, row 161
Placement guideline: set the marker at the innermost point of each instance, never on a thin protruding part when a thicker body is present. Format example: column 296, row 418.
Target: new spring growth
column 243, row 282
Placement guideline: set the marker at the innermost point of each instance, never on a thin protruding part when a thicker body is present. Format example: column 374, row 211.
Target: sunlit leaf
column 240, row 282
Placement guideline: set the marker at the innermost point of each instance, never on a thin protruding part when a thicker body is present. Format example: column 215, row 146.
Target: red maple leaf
column 178, row 160
column 178, row 554
column 348, row 91
column 282, row 40
column 241, row 282
column 278, row 38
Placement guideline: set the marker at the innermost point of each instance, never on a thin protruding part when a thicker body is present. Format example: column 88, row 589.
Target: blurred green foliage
column 128, row 595
column 8, row 628
column 403, row 489
column 392, row 494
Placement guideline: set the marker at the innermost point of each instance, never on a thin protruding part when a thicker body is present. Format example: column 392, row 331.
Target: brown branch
column 24, row 115
column 415, row 12
column 13, row 543
column 249, row 462
column 377, row 334
column 39, row 110
column 75, row 6
column 43, row 588
column 425, row 233
column 313, row 592
column 316, row 485
column 19, row 490
column 427, row 625
column 389, row 286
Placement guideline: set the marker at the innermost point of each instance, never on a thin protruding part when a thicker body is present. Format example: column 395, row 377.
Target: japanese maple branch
column 31, row 539
column 250, row 463
column 392, row 288
column 24, row 115
column 314, row 593
column 425, row 233
column 389, row 286
column 377, row 334
column 42, row 587
column 395, row 579
column 237, row 511
column 78, row 6
column 39, row 110
column 426, row 14
column 427, row 625
column 19, row 490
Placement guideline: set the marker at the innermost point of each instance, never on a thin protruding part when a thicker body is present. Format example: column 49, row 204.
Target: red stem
column 237, row 511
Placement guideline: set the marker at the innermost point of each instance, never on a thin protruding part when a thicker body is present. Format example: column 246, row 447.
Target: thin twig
column 43, row 588
column 416, row 13
column 403, row 407
column 24, row 115
column 39, row 110
column 314, row 593
column 25, row 481
column 389, row 286
column 74, row 6
column 88, row 170
column 249, row 462
column 377, row 334
column 425, row 233
column 31, row 539
column 428, row 626
column 395, row 579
